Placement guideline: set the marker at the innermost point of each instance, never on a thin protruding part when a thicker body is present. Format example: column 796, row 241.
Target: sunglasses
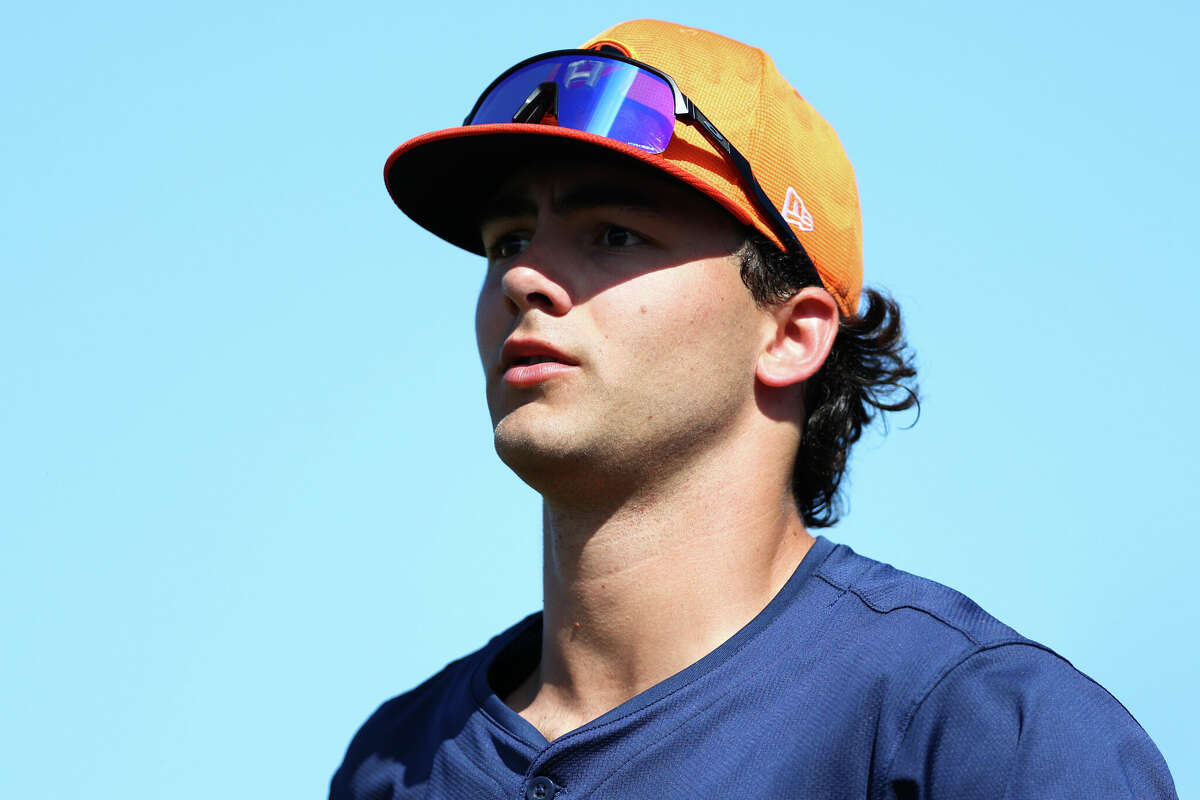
column 618, row 98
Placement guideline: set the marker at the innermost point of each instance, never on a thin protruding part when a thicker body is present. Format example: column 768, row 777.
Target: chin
column 542, row 454
column 523, row 442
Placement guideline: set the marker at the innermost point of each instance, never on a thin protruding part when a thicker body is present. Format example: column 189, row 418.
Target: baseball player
column 678, row 357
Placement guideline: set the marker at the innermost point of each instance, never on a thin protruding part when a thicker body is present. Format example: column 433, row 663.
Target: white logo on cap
column 795, row 212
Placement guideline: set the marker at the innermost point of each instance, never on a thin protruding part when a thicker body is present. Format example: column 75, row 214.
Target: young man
column 677, row 359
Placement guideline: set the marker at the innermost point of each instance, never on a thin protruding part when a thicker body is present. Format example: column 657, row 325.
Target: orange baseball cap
column 442, row 179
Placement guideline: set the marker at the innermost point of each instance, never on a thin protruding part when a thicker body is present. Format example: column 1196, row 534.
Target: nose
column 531, row 283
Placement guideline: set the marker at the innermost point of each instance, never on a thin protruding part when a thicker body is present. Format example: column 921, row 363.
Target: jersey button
column 541, row 788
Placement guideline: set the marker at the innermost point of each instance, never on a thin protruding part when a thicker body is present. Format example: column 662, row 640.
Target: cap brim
column 444, row 179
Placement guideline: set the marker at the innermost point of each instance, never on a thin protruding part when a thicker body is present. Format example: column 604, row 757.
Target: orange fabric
column 787, row 143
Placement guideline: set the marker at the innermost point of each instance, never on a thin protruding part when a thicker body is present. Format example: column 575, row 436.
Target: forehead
column 572, row 184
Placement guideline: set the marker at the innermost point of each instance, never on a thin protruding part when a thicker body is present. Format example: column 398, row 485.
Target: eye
column 617, row 237
column 507, row 245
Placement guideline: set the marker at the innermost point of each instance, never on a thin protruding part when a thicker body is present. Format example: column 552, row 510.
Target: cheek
column 696, row 321
column 489, row 324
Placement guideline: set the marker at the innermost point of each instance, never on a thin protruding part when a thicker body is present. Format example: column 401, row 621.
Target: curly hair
column 869, row 371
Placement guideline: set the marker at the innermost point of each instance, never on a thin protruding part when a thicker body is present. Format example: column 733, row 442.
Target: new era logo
column 795, row 212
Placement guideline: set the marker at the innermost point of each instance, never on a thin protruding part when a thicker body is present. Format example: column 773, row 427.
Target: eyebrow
column 508, row 205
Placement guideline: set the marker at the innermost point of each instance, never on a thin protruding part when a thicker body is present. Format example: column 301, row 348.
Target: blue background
column 248, row 489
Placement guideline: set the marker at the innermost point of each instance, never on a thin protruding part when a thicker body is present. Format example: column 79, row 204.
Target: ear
column 805, row 326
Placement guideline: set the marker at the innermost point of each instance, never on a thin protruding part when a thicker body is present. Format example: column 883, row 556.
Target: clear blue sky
column 247, row 488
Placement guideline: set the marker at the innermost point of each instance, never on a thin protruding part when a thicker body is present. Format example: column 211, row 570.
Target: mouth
column 528, row 362
column 524, row 361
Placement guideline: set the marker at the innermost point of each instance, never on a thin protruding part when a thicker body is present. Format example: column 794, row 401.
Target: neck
column 641, row 587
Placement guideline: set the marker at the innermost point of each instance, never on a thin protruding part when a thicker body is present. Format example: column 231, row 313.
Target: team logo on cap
column 795, row 212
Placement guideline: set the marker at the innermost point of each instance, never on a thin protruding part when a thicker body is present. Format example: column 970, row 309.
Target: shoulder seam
column 880, row 610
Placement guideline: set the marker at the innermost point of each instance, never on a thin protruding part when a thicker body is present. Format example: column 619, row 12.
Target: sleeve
column 362, row 773
column 1019, row 722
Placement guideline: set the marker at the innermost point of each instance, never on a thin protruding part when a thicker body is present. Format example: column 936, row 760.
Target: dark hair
column 868, row 371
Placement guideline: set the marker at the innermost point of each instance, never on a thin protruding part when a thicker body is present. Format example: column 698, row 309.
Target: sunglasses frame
column 685, row 111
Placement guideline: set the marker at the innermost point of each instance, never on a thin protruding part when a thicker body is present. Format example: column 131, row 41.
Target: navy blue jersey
column 857, row 681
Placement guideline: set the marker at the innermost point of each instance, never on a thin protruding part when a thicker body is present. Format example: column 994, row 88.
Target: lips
column 529, row 362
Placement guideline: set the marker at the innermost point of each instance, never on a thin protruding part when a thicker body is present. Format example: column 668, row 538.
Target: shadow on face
column 592, row 223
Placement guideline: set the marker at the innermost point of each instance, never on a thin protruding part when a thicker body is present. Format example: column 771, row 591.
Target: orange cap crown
column 795, row 154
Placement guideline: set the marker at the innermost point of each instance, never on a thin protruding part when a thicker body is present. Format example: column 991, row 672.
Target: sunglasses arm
column 752, row 187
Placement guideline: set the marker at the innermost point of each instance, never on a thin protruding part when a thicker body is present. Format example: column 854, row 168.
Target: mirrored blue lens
column 594, row 94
